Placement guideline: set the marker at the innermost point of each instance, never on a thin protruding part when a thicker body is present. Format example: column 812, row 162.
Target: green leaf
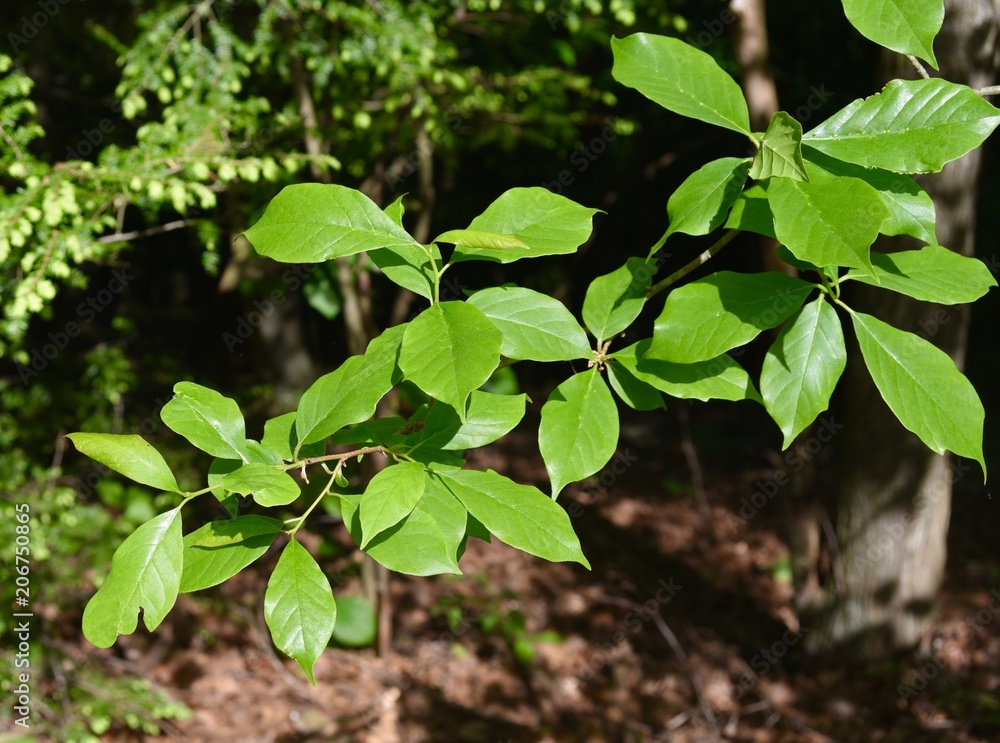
column 281, row 435
column 700, row 204
column 801, row 369
column 356, row 622
column 614, row 300
column 905, row 26
column 218, row 469
column 449, row 350
column 680, row 78
column 268, row 485
column 299, row 608
column 481, row 239
column 635, row 393
column 579, row 430
column 220, row 549
column 488, row 417
column 830, row 221
column 721, row 378
column 426, row 542
column 207, row 419
column 313, row 222
column 923, row 387
column 786, row 255
column 912, row 126
column 931, row 274
column 129, row 455
column 476, row 529
column 518, row 515
column 395, row 211
column 751, row 212
column 409, row 267
column 547, row 224
column 376, row 432
column 534, row 326
column 780, row 151
column 911, row 210
column 389, row 498
column 145, row 574
column 257, row 452
column 351, row 393
column 706, row 318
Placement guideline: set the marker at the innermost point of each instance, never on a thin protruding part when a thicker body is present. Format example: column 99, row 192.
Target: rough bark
column 893, row 494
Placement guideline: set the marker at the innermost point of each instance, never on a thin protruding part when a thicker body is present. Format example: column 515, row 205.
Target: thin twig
column 138, row 234
column 699, row 261
column 693, row 463
column 831, row 539
column 675, row 645
column 988, row 90
column 919, row 67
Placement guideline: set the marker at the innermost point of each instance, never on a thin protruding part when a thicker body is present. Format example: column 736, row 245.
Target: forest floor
column 683, row 631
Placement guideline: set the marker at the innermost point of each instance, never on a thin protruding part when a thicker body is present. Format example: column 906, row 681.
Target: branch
column 700, row 260
column 988, row 91
column 138, row 234
column 332, row 457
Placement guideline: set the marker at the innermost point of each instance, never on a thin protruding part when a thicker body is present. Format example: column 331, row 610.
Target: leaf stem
column 838, row 301
column 660, row 242
column 685, row 270
column 437, row 274
column 830, row 286
column 918, row 66
column 195, row 494
column 325, row 492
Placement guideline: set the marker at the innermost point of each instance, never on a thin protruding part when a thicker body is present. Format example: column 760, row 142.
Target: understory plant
column 825, row 195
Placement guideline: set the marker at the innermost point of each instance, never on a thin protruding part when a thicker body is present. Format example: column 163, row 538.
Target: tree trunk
column 802, row 508
column 893, row 495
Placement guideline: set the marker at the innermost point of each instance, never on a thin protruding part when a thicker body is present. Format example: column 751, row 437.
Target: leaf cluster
column 825, row 195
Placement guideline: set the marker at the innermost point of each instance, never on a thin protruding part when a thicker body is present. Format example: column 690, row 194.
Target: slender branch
column 685, row 270
column 334, row 457
column 138, row 234
column 919, row 67
column 988, row 91
column 12, row 143
column 699, row 689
